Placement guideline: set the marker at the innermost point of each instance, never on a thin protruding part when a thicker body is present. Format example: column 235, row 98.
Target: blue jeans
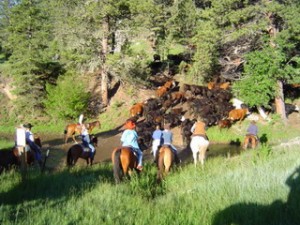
column 139, row 154
column 87, row 143
column 36, row 149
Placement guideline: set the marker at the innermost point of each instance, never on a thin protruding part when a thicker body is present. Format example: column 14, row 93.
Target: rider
column 30, row 141
column 130, row 138
column 86, row 140
column 252, row 129
column 157, row 139
column 198, row 129
column 167, row 139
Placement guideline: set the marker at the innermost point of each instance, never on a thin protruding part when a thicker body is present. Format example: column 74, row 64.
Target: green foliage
column 146, row 185
column 263, row 152
column 205, row 58
column 68, row 98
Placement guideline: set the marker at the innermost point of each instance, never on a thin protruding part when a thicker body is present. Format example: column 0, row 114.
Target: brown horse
column 124, row 162
column 72, row 129
column 250, row 139
column 78, row 151
column 12, row 157
column 92, row 125
column 165, row 160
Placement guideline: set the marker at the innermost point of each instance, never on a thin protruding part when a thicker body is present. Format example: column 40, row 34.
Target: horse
column 124, row 162
column 165, row 160
column 72, row 129
column 250, row 139
column 8, row 158
column 199, row 146
column 78, row 151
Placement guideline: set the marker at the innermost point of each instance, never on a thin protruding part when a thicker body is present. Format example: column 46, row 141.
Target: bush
column 65, row 101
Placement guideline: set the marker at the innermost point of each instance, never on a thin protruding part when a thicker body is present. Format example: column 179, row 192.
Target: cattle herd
column 181, row 105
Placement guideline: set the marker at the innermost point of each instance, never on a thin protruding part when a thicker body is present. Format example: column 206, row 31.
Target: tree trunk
column 104, row 73
column 279, row 101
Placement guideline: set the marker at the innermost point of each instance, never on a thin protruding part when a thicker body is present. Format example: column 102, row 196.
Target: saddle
column 252, row 135
column 131, row 149
column 201, row 135
column 85, row 149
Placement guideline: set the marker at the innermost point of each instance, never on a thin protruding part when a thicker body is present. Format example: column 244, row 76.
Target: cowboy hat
column 28, row 125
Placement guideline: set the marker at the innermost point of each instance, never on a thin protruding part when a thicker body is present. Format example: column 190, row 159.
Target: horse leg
column 246, row 142
column 195, row 156
column 202, row 153
column 253, row 143
column 73, row 136
column 127, row 172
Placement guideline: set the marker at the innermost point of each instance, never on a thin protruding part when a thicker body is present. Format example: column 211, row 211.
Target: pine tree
column 28, row 41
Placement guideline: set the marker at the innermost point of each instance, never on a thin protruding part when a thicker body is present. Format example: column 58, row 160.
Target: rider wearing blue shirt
column 130, row 139
column 157, row 139
column 86, row 140
column 30, row 141
column 167, row 139
column 253, row 129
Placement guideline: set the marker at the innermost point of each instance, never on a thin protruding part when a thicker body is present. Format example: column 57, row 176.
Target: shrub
column 65, row 101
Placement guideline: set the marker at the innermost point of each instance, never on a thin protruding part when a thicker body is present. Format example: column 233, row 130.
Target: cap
column 130, row 124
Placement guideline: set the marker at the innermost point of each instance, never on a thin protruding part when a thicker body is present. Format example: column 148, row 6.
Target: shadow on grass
column 281, row 213
column 58, row 185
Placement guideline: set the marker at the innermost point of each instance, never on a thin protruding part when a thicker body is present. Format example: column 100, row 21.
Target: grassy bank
column 253, row 188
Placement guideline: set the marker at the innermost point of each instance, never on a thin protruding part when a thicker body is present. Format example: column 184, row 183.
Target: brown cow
column 237, row 114
column 177, row 96
column 169, row 84
column 224, row 123
column 211, row 85
column 161, row 91
column 137, row 109
column 214, row 85
column 224, row 86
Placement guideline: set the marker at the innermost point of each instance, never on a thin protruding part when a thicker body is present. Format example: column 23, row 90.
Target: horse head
column 94, row 140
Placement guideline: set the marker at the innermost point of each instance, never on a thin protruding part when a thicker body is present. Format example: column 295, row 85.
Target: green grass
column 248, row 189
column 272, row 133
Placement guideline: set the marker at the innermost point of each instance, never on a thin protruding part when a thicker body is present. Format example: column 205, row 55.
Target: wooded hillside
column 60, row 58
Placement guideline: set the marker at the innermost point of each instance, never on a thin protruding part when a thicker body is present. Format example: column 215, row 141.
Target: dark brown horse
column 124, row 162
column 78, row 151
column 72, row 129
column 12, row 157
column 250, row 139
column 166, row 158
column 8, row 159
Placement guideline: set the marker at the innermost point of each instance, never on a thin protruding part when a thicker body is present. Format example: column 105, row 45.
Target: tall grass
column 253, row 188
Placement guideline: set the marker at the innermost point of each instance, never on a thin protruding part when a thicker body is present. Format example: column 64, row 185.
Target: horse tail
column 117, row 166
column 69, row 158
column 160, row 164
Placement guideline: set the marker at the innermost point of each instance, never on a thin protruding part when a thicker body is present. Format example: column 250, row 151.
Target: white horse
column 199, row 147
